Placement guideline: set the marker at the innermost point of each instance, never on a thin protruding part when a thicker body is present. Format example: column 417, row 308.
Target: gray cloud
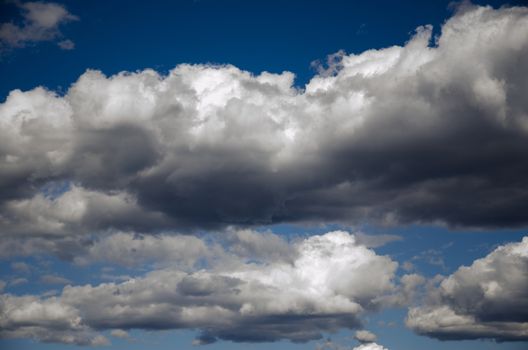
column 412, row 134
column 41, row 22
column 46, row 320
column 488, row 299
column 330, row 282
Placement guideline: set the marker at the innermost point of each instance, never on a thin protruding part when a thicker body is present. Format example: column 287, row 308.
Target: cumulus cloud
column 365, row 336
column 370, row 346
column 47, row 320
column 41, row 22
column 420, row 133
column 131, row 250
column 328, row 285
column 74, row 212
column 488, row 299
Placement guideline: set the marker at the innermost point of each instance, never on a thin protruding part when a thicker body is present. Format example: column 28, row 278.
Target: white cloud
column 119, row 333
column 369, row 346
column 365, row 336
column 66, row 44
column 488, row 299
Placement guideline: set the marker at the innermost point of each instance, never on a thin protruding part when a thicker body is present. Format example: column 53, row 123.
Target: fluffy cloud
column 329, row 282
column 418, row 133
column 41, row 21
column 365, row 336
column 75, row 211
column 46, row 320
column 128, row 249
column 488, row 299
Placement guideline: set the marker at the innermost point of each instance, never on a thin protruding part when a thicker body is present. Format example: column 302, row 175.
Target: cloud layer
column 488, row 299
column 415, row 134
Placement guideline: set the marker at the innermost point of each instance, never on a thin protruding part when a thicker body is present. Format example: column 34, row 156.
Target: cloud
column 330, row 282
column 414, row 134
column 18, row 281
column 41, row 22
column 369, row 346
column 365, row 336
column 75, row 211
column 47, row 320
column 66, row 44
column 378, row 240
column 488, row 299
column 119, row 333
column 20, row 267
column 131, row 250
column 54, row 279
column 331, row 345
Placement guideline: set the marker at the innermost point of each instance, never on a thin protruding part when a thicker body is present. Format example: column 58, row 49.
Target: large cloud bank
column 424, row 133
column 488, row 299
column 318, row 284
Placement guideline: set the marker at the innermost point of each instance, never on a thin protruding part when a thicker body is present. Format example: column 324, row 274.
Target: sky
column 321, row 175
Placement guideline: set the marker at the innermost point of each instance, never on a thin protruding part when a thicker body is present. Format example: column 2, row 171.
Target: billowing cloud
column 46, row 320
column 41, row 22
column 423, row 133
column 488, row 299
column 328, row 284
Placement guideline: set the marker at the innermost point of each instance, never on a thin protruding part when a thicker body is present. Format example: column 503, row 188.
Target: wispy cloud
column 41, row 21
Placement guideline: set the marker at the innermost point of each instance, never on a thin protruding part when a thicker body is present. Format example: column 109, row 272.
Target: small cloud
column 364, row 336
column 376, row 241
column 54, row 279
column 119, row 333
column 17, row 282
column 204, row 339
column 40, row 22
column 66, row 44
column 20, row 267
column 99, row 341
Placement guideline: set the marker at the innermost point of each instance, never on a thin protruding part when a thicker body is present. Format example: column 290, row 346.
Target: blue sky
column 124, row 35
column 235, row 174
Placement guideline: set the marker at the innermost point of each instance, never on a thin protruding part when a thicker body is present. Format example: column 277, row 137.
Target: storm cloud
column 435, row 131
